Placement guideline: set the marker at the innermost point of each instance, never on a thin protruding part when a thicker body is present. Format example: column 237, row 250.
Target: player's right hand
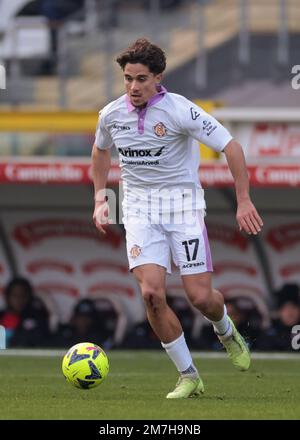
column 100, row 216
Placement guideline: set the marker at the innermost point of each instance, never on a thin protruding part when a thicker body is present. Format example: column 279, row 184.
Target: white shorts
column 187, row 244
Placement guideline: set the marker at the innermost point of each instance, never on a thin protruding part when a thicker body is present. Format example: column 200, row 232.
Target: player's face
column 140, row 83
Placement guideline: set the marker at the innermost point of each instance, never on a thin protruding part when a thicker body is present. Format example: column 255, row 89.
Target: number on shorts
column 186, row 244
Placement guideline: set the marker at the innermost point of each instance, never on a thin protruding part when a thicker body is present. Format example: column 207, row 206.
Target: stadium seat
column 25, row 38
column 8, row 10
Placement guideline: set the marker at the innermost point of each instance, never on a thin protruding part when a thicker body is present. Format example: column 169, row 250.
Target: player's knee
column 202, row 300
column 154, row 297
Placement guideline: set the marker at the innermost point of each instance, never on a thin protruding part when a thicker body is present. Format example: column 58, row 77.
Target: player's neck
column 148, row 102
column 141, row 107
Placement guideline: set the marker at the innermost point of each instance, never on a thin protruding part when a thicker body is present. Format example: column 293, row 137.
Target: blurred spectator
column 141, row 337
column 83, row 326
column 56, row 11
column 112, row 322
column 90, row 322
column 25, row 317
column 279, row 335
column 247, row 318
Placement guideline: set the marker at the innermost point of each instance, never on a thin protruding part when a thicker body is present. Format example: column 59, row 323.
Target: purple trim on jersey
column 141, row 119
column 130, row 107
column 142, row 112
column 209, row 266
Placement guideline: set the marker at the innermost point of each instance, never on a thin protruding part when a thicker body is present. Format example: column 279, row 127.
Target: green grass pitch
column 33, row 387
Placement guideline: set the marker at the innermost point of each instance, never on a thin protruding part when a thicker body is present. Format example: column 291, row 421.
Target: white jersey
column 159, row 145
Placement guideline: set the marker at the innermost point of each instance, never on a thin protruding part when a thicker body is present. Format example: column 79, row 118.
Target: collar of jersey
column 161, row 91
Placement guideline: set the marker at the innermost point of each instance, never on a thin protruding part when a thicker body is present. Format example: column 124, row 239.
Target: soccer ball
column 85, row 365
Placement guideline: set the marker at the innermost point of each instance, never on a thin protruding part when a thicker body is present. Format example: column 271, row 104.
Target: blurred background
column 60, row 281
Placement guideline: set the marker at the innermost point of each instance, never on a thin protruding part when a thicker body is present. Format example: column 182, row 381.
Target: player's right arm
column 101, row 160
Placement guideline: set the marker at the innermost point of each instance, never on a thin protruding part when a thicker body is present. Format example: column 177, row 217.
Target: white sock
column 223, row 328
column 180, row 354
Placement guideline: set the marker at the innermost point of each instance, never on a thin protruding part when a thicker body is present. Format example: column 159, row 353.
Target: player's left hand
column 248, row 218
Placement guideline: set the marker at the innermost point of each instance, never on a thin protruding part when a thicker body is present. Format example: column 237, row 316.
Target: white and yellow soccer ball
column 85, row 365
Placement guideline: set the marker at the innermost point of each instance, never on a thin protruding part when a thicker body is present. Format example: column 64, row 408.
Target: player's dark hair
column 144, row 52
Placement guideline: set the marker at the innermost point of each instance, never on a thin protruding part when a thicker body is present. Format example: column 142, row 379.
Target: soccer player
column 156, row 134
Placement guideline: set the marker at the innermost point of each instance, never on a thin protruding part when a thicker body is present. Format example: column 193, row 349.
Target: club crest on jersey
column 160, row 129
column 135, row 251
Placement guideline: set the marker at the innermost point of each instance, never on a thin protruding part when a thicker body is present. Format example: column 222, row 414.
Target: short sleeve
column 103, row 138
column 195, row 122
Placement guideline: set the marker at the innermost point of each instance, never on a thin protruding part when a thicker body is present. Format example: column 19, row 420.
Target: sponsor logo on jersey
column 154, row 152
column 208, row 127
column 189, row 265
column 135, row 251
column 194, row 114
column 160, row 129
column 120, row 127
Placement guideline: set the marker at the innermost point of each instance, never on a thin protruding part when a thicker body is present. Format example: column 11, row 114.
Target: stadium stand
column 88, row 43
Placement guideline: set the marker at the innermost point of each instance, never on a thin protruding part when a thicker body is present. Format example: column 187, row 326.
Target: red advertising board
column 79, row 172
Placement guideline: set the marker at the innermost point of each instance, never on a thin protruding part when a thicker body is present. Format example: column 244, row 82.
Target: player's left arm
column 247, row 216
column 195, row 122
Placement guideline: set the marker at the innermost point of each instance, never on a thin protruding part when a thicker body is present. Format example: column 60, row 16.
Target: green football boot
column 187, row 387
column 237, row 349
